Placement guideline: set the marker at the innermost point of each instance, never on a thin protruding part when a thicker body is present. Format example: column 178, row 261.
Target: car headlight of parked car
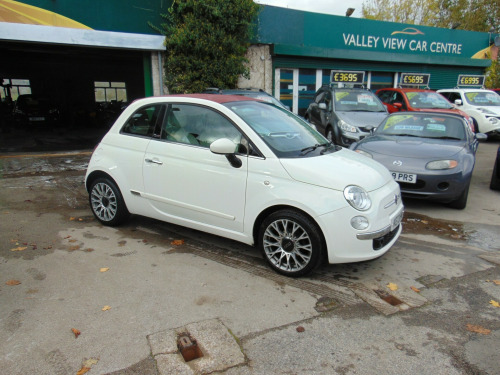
column 344, row 126
column 486, row 111
column 441, row 164
column 357, row 197
column 364, row 153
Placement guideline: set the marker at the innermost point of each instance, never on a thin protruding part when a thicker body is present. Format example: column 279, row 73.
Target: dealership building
column 81, row 53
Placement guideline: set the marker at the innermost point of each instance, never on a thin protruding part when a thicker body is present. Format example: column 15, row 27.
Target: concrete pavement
column 128, row 289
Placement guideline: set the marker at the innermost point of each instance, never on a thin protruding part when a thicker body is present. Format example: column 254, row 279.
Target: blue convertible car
column 430, row 155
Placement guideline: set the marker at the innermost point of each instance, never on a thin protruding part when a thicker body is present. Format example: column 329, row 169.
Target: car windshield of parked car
column 286, row 134
column 357, row 101
column 482, row 98
column 423, row 126
column 266, row 98
column 430, row 100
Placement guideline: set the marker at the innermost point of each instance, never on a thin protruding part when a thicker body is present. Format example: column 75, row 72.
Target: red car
column 402, row 99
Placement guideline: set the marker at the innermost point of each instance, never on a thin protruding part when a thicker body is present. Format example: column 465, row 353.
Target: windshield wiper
column 309, row 149
column 407, row 135
column 446, row 137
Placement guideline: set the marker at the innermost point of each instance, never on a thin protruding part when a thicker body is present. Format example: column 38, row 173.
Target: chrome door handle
column 155, row 161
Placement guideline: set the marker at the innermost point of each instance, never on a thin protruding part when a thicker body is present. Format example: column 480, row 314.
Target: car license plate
column 37, row 118
column 397, row 220
column 405, row 177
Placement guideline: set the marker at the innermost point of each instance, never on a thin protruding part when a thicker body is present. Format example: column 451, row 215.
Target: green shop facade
column 87, row 51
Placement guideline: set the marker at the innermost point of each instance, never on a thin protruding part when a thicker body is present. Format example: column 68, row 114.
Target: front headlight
column 344, row 126
column 486, row 111
column 441, row 164
column 357, row 197
column 364, row 153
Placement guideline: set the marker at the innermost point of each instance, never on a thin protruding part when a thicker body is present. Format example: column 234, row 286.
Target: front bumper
column 346, row 244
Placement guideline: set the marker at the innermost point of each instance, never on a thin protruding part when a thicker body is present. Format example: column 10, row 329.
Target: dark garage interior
column 84, row 89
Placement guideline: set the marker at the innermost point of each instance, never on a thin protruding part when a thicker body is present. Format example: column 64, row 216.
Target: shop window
column 110, row 91
column 381, row 80
column 13, row 88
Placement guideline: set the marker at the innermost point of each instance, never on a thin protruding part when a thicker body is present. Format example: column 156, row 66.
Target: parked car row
column 430, row 155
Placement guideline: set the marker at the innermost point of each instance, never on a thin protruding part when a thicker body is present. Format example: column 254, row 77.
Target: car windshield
column 482, row 98
column 419, row 99
column 286, row 134
column 357, row 101
column 423, row 126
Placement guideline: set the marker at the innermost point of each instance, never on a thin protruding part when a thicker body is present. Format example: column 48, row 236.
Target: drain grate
column 389, row 298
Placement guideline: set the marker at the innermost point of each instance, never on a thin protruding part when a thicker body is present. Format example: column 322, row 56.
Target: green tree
column 472, row 15
column 418, row 12
column 206, row 42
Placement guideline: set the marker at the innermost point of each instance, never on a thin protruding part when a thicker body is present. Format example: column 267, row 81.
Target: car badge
column 399, row 163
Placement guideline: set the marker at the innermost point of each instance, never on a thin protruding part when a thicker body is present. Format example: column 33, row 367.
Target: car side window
column 198, row 126
column 319, row 97
column 385, row 96
column 398, row 98
column 144, row 120
column 328, row 100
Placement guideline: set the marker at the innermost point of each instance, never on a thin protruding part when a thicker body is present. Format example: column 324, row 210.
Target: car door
column 188, row 184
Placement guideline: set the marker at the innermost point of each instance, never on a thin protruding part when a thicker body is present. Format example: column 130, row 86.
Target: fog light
column 359, row 222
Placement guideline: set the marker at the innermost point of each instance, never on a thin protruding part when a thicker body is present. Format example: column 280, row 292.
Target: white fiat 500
column 246, row 170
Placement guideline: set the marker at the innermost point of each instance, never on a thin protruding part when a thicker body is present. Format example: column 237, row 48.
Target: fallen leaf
column 478, row 329
column 90, row 362
column 300, row 329
column 494, row 303
column 496, row 282
column 67, row 237
column 104, row 269
column 392, row 286
column 83, row 370
column 76, row 332
column 74, row 247
column 71, row 218
column 415, row 289
column 13, row 282
column 177, row 242
column 106, row 308
column 80, row 219
column 20, row 248
column 72, row 240
column 424, row 222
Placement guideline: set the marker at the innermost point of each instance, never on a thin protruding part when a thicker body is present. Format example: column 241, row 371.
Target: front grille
column 380, row 242
column 416, row 186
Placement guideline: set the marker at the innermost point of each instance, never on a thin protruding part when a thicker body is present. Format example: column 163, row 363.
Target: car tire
column 107, row 203
column 461, row 202
column 291, row 243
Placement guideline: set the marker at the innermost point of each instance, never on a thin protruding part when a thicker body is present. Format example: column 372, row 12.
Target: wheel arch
column 98, row 174
column 269, row 210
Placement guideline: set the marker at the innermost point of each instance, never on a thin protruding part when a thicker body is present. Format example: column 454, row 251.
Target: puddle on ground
column 420, row 224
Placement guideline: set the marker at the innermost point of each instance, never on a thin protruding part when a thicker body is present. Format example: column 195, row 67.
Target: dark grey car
column 431, row 155
column 345, row 115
